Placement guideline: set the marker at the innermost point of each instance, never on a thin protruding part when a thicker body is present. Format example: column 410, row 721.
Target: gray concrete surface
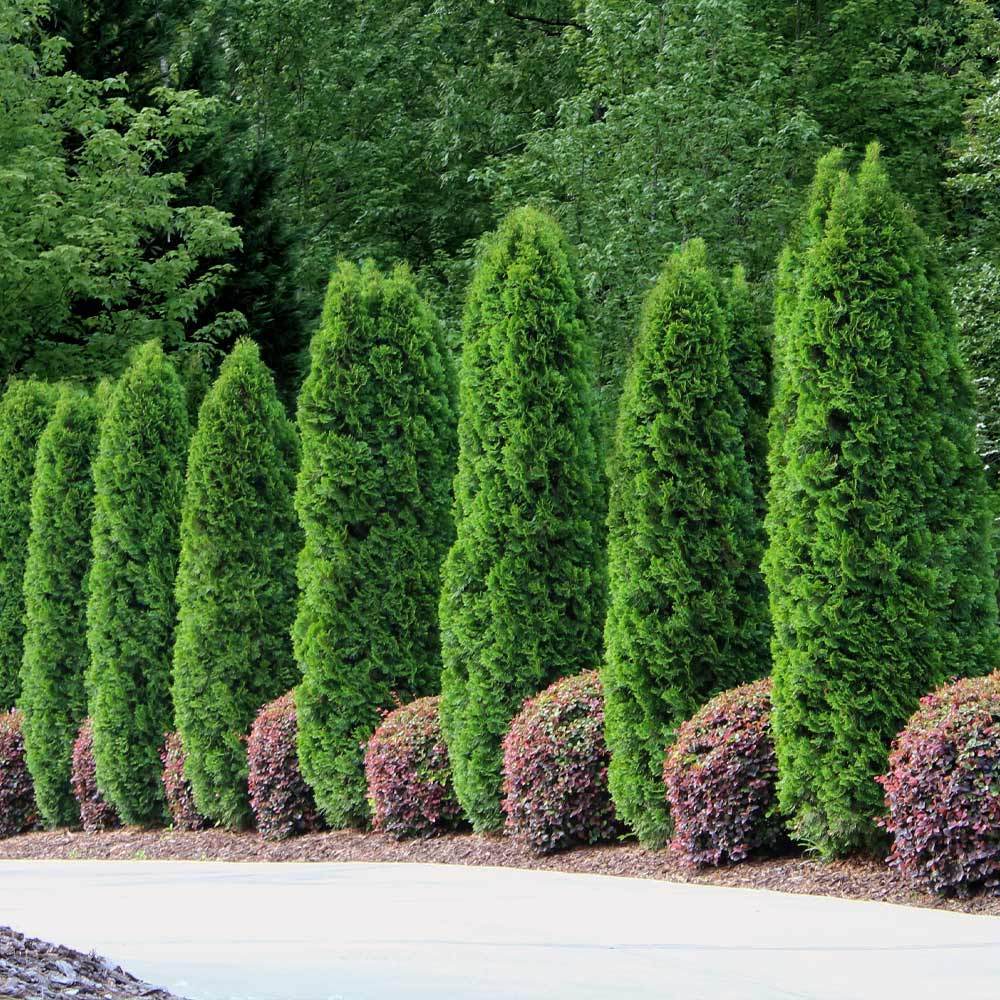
column 361, row 932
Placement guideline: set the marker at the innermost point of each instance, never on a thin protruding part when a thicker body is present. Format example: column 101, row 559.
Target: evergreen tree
column 687, row 613
column 24, row 411
column 55, row 585
column 138, row 487
column 879, row 566
column 236, row 581
column 524, row 583
column 376, row 420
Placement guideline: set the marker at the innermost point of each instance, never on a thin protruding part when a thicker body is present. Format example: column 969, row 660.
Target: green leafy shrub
column 687, row 612
column 555, row 767
column 283, row 804
column 409, row 775
column 524, row 584
column 18, row 812
column 24, row 411
column 181, row 805
column 55, row 586
column 880, row 566
column 96, row 813
column 236, row 581
column 138, row 485
column 377, row 429
column 721, row 777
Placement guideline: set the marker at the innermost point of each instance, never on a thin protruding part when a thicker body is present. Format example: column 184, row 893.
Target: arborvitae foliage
column 376, row 420
column 750, row 362
column 524, row 584
column 138, row 485
column 236, row 582
column 687, row 614
column 55, row 586
column 24, row 411
column 879, row 566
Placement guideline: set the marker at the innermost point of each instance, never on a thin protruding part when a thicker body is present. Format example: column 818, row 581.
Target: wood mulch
column 853, row 879
column 35, row 970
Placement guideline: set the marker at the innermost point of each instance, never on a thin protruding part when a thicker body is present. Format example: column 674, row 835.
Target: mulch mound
column 852, row 879
column 30, row 968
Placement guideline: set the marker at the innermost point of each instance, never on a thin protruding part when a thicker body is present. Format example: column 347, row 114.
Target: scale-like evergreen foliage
column 879, row 566
column 524, row 584
column 24, row 411
column 55, row 587
column 236, row 582
column 687, row 613
column 138, row 487
column 376, row 420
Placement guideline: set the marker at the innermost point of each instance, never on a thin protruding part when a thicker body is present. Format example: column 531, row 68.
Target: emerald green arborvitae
column 55, row 586
column 524, row 584
column 376, row 421
column 24, row 411
column 687, row 609
column 236, row 582
column 750, row 362
column 879, row 565
column 138, row 487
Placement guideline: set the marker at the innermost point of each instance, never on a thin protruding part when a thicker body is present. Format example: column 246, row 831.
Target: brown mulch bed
column 854, row 879
column 33, row 969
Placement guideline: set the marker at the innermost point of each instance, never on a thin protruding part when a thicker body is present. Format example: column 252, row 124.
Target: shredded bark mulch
column 33, row 969
column 853, row 879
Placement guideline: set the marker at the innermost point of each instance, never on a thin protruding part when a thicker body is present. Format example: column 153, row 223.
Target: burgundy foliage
column 180, row 799
column 18, row 812
column 942, row 790
column 721, row 777
column 282, row 802
column 556, row 768
column 408, row 773
column 96, row 814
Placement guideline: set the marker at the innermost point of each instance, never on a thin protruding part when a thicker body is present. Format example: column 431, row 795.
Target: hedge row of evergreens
column 148, row 574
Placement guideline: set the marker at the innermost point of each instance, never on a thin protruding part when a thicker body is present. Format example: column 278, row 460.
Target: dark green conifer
column 24, row 411
column 53, row 699
column 524, row 584
column 138, row 486
column 376, row 420
column 879, row 565
column 687, row 614
column 236, row 582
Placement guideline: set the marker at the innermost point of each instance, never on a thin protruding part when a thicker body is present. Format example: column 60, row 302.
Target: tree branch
column 548, row 22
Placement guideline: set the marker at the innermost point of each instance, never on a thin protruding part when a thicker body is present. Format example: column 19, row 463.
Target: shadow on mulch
column 851, row 879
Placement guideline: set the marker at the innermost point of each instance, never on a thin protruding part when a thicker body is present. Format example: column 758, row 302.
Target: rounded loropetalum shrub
column 942, row 790
column 283, row 804
column 96, row 813
column 180, row 798
column 555, row 765
column 18, row 811
column 409, row 775
column 721, row 779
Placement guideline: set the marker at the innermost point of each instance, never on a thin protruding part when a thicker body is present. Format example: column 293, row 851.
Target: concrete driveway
column 360, row 932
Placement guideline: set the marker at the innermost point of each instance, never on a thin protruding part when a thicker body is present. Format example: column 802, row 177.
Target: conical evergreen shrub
column 24, row 411
column 236, row 581
column 53, row 699
column 879, row 564
column 524, row 584
column 687, row 610
column 376, row 421
column 138, row 486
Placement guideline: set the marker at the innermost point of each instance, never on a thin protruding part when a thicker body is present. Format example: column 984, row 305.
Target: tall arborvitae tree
column 376, row 419
column 138, row 486
column 687, row 610
column 55, row 587
column 524, row 584
column 880, row 566
column 24, row 411
column 236, row 582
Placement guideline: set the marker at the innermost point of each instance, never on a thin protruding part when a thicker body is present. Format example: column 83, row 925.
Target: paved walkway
column 374, row 932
